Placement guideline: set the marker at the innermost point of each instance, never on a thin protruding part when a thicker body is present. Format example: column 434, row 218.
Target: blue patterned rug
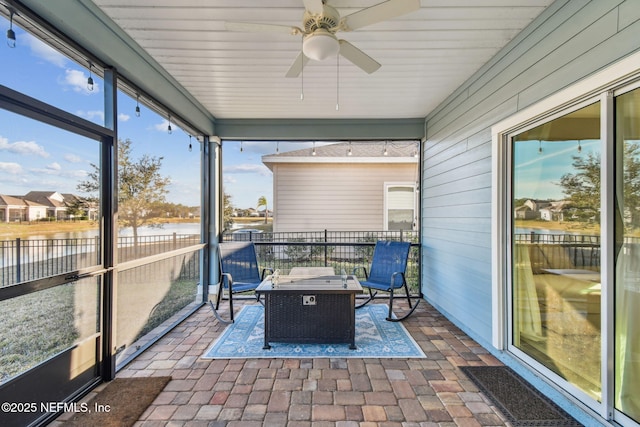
column 375, row 338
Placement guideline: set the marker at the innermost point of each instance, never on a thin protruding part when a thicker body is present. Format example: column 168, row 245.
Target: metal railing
column 30, row 259
column 561, row 250
column 341, row 250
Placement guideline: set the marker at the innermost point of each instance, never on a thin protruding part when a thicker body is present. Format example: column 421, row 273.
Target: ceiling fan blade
column 313, row 6
column 381, row 12
column 358, row 57
column 296, row 67
column 261, row 28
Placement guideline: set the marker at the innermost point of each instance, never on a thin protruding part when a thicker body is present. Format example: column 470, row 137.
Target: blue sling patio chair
column 239, row 272
column 387, row 274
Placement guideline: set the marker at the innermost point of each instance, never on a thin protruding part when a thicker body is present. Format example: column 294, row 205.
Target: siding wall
column 335, row 197
column 570, row 40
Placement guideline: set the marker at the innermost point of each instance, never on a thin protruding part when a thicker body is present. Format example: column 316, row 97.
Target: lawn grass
column 35, row 327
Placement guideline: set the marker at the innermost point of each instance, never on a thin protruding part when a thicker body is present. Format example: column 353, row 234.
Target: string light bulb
column 313, row 153
column 386, row 153
column 169, row 130
column 241, row 149
column 11, row 35
column 579, row 147
column 539, row 147
column 277, row 147
column 190, row 146
column 90, row 79
column 137, row 105
column 349, row 151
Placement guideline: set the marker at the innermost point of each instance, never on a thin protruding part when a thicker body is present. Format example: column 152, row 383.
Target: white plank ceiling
column 425, row 55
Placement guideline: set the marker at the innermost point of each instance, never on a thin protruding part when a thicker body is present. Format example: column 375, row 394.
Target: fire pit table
column 310, row 305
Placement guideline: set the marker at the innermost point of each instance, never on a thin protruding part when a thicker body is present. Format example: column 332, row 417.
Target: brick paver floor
column 315, row 392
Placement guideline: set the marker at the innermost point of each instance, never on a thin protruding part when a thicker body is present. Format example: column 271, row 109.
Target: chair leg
column 390, row 316
column 411, row 309
column 371, row 296
column 217, row 306
column 219, row 296
column 220, row 319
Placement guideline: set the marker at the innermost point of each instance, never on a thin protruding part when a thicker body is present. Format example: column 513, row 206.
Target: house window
column 400, row 202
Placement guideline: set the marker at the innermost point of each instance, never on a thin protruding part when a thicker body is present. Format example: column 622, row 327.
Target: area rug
column 520, row 403
column 120, row 403
column 375, row 338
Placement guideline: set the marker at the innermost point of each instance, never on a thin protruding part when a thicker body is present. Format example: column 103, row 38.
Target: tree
column 140, row 187
column 262, row 201
column 582, row 188
column 227, row 215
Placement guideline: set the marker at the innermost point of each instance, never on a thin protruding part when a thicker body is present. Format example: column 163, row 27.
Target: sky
column 537, row 174
column 38, row 157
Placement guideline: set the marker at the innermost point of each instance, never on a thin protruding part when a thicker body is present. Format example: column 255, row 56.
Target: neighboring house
column 54, row 201
column 543, row 209
column 15, row 208
column 555, row 211
column 346, row 186
column 37, row 205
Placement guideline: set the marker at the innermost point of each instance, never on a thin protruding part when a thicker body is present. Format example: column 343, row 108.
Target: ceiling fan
column 321, row 22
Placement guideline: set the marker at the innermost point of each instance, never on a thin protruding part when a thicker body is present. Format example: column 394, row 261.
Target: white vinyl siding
column 332, row 196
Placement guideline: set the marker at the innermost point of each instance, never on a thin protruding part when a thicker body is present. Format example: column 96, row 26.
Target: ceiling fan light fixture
column 320, row 45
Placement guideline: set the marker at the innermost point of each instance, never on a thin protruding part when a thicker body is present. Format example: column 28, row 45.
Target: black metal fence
column 341, row 250
column 561, row 250
column 26, row 259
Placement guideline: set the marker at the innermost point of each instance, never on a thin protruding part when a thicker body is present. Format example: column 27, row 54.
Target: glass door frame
column 509, row 307
column 32, row 380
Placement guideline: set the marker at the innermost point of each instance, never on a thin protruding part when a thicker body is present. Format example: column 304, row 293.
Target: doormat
column 375, row 338
column 520, row 403
column 120, row 403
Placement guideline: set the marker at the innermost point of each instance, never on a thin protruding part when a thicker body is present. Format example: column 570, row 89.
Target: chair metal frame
column 387, row 273
column 239, row 272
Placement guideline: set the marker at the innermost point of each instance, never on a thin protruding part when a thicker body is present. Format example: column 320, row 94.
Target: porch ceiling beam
column 320, row 129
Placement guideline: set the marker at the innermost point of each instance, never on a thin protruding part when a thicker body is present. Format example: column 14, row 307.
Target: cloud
column 93, row 115
column 72, row 158
column 23, row 148
column 55, row 169
column 43, row 51
column 248, row 168
column 10, row 167
column 77, row 81
column 162, row 127
column 123, row 117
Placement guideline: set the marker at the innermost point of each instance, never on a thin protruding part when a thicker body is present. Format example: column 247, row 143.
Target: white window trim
column 385, row 219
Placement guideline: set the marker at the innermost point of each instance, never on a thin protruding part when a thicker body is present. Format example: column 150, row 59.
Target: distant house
column 15, row 208
column 38, row 205
column 360, row 186
column 545, row 210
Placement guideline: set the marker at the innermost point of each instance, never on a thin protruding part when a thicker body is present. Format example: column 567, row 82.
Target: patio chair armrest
column 363, row 268
column 393, row 278
column 264, row 270
column 229, row 279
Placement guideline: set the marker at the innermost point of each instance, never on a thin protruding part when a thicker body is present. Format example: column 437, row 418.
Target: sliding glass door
column 627, row 257
column 556, row 246
column 574, row 249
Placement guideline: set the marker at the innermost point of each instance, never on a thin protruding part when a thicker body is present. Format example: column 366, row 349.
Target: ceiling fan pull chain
column 302, row 72
column 337, row 82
